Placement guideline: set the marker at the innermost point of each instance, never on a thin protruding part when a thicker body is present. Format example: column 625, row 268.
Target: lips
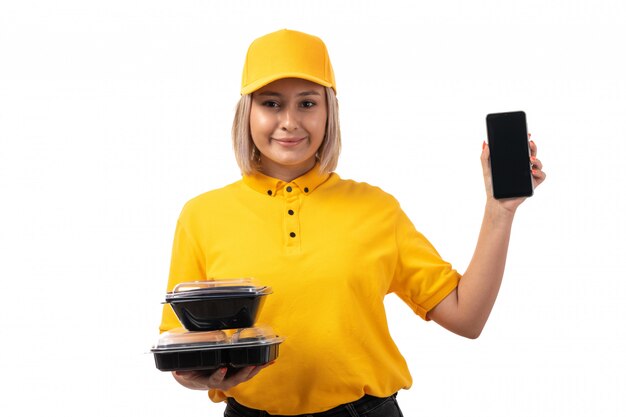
column 289, row 141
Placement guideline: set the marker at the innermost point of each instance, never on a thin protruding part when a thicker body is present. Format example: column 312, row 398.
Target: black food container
column 181, row 350
column 217, row 305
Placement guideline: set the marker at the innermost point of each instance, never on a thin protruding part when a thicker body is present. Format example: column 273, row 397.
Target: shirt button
column 292, row 234
column 269, row 192
column 288, row 189
column 290, row 212
column 306, row 189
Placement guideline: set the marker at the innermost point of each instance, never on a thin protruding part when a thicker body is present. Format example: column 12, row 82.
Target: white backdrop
column 114, row 113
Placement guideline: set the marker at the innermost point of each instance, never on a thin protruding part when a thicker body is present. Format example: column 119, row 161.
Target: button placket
column 291, row 215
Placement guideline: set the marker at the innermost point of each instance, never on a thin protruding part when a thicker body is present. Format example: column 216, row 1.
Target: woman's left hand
column 511, row 204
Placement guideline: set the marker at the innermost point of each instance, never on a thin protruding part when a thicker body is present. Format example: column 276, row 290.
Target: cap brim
column 262, row 82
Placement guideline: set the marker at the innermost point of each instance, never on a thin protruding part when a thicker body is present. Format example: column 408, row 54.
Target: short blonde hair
column 247, row 154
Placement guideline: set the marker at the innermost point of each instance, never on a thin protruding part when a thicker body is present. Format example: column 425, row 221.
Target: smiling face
column 287, row 124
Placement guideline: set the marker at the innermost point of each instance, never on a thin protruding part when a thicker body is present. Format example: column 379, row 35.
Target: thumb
column 484, row 159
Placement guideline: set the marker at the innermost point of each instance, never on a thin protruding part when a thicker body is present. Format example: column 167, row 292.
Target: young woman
column 330, row 248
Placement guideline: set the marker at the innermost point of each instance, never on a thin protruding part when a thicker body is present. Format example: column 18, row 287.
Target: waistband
column 362, row 405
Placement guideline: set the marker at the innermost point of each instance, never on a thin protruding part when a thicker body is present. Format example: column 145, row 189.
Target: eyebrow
column 303, row 93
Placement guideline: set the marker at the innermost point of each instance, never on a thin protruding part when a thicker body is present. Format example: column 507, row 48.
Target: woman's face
column 288, row 123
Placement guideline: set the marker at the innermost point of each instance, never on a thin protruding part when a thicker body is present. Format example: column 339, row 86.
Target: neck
column 285, row 173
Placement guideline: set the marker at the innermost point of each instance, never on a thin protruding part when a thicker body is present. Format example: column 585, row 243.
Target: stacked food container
column 219, row 327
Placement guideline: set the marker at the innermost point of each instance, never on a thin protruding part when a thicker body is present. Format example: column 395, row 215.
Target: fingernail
column 223, row 370
column 533, row 158
column 484, row 144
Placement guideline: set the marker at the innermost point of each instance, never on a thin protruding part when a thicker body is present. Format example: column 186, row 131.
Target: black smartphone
column 509, row 154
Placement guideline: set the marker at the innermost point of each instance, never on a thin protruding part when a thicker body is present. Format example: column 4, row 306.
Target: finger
column 536, row 163
column 237, row 378
column 533, row 148
column 235, row 375
column 484, row 156
column 189, row 375
column 254, row 372
column 217, row 377
column 537, row 173
column 259, row 369
column 539, row 176
column 233, row 379
column 242, row 375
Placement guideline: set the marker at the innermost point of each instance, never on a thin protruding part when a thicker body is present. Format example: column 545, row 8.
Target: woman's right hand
column 205, row 380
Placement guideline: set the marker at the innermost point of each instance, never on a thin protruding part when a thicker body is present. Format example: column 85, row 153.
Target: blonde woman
column 330, row 248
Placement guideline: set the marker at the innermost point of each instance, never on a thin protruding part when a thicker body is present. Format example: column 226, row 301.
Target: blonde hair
column 248, row 156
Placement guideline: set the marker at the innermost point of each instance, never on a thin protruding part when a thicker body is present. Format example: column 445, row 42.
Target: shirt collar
column 267, row 185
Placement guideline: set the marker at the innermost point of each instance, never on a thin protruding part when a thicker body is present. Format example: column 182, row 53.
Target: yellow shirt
column 331, row 249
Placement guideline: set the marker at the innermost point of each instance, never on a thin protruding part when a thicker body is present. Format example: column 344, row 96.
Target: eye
column 271, row 104
column 307, row 104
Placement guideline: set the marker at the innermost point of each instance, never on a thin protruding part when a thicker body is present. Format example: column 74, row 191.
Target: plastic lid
column 217, row 288
column 181, row 339
column 258, row 333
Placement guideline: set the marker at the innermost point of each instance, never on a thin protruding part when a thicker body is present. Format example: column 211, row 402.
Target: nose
column 289, row 119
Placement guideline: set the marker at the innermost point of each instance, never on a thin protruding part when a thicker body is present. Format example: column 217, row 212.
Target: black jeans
column 367, row 406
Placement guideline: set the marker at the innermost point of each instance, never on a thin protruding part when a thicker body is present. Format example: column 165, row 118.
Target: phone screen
column 509, row 155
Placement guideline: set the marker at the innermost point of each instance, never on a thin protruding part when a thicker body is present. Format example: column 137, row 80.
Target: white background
column 113, row 114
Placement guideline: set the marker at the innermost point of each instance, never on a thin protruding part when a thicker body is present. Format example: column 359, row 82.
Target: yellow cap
column 286, row 54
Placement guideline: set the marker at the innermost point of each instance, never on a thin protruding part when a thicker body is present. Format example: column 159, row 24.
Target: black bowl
column 252, row 355
column 188, row 360
column 212, row 357
column 218, row 312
